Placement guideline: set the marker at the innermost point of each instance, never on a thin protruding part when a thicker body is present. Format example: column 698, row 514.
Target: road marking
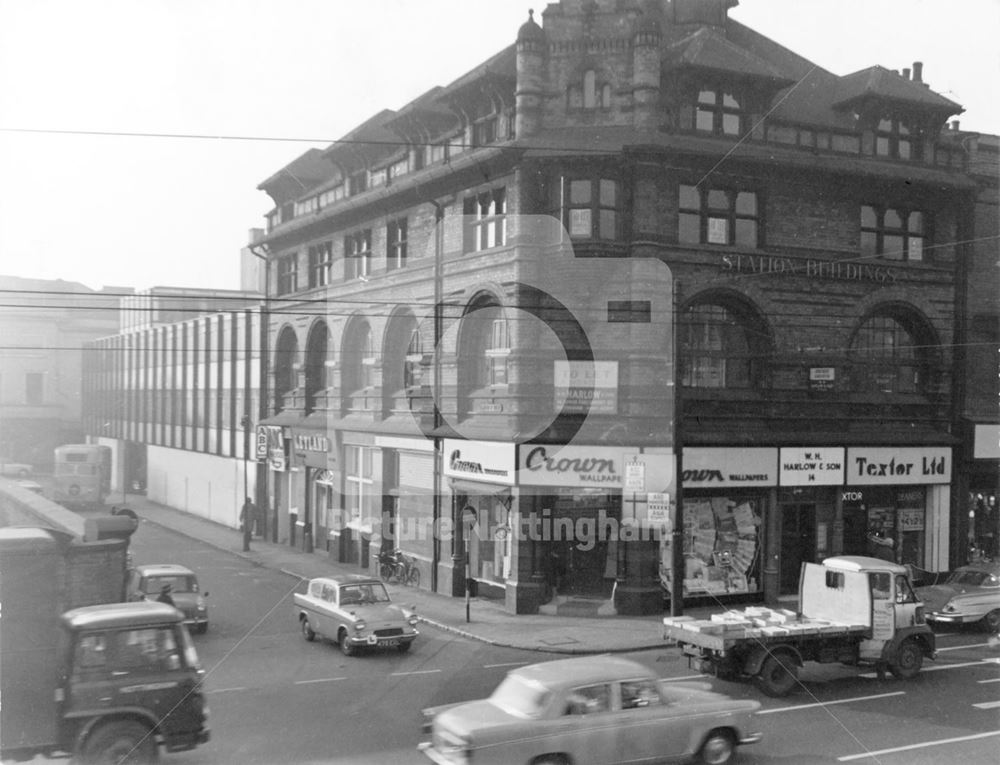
column 415, row 672
column 987, row 705
column 830, row 703
column 226, row 690
column 939, row 742
column 960, row 647
column 686, row 677
column 992, row 680
column 505, row 664
column 980, row 663
column 319, row 680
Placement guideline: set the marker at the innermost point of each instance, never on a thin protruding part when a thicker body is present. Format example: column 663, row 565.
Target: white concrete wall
column 201, row 484
column 936, row 530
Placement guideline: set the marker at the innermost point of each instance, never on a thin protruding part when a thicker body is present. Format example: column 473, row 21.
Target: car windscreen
column 178, row 583
column 520, row 697
column 969, row 577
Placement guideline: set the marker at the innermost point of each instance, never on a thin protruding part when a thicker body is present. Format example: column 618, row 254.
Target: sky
column 133, row 135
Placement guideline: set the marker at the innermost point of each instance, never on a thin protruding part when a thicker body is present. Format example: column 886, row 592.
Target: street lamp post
column 263, row 385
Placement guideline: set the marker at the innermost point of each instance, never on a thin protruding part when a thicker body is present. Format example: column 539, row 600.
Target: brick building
column 477, row 301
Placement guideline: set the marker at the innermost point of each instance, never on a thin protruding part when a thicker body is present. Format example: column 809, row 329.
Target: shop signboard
column 594, row 467
column 586, row 386
column 708, row 468
column 486, row 461
column 896, row 466
column 271, row 447
column 811, row 466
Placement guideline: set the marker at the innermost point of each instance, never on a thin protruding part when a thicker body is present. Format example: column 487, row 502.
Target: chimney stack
column 906, row 73
column 918, row 71
column 954, row 125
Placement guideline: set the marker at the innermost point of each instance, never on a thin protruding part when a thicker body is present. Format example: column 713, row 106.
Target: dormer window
column 718, row 112
column 590, row 207
column 897, row 139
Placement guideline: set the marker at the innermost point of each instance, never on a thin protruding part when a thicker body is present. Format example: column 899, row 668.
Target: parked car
column 970, row 594
column 148, row 581
column 16, row 469
column 595, row 709
column 354, row 611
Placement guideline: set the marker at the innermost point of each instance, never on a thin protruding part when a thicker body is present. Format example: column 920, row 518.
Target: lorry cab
column 135, row 661
column 883, row 589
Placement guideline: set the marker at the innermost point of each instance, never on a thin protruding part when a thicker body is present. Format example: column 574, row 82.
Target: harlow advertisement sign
column 811, row 466
column 586, row 386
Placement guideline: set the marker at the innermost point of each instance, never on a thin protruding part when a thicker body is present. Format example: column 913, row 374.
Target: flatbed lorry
column 81, row 673
column 852, row 609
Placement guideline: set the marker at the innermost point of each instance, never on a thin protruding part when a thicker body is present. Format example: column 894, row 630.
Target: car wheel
column 550, row 759
column 778, row 675
column 385, row 571
column 718, row 748
column 992, row 621
column 307, row 630
column 202, row 628
column 909, row 660
column 346, row 646
column 123, row 742
column 404, row 647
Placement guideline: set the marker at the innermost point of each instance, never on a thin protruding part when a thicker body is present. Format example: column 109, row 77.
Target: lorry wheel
column 125, row 742
column 909, row 659
column 778, row 675
column 992, row 621
column 718, row 747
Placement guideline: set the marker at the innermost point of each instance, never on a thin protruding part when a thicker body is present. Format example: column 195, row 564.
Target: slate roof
column 708, row 49
column 879, row 82
column 304, row 172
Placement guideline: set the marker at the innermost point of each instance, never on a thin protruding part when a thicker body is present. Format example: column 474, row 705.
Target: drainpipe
column 438, row 419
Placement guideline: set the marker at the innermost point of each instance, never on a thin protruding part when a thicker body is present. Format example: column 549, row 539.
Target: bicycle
column 397, row 567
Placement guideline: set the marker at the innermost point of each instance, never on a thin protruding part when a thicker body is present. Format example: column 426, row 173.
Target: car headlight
column 359, row 625
column 412, row 620
column 201, row 603
column 949, row 608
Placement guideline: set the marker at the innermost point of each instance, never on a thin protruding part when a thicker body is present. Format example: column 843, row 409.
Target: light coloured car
column 147, row 582
column 32, row 486
column 15, row 469
column 355, row 612
column 594, row 709
column 970, row 594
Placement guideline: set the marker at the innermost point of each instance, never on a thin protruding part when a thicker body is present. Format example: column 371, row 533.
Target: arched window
column 402, row 361
column 359, row 363
column 317, row 350
column 890, row 353
column 484, row 350
column 285, row 358
column 606, row 96
column 722, row 345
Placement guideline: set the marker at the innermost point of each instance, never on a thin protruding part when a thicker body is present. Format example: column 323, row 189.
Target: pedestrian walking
column 165, row 596
column 247, row 517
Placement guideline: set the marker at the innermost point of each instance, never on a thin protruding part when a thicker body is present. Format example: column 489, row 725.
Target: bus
column 82, row 475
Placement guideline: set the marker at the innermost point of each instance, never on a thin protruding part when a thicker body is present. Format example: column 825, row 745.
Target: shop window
column 590, row 207
column 722, row 545
column 887, row 358
column 359, row 492
column 485, row 220
column 892, row 233
column 717, row 216
column 720, row 347
column 718, row 112
column 412, row 367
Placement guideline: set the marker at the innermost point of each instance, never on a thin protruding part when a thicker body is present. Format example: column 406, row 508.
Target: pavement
column 487, row 620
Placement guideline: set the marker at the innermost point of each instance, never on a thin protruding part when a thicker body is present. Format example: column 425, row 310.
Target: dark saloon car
column 148, row 581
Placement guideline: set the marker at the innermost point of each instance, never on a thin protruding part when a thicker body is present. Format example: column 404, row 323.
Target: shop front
column 480, row 545
column 314, row 484
column 899, row 497
column 728, row 494
column 590, row 525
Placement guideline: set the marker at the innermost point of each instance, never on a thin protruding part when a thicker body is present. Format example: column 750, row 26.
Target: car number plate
column 391, row 642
